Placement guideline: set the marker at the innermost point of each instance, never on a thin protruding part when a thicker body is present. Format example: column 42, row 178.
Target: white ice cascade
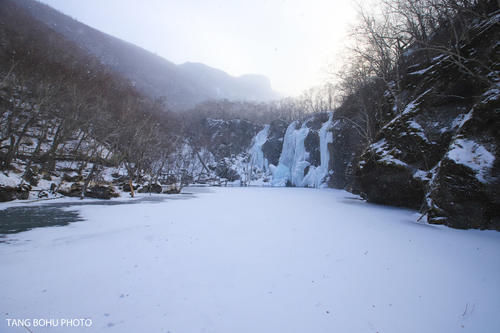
column 318, row 176
column 294, row 158
column 257, row 158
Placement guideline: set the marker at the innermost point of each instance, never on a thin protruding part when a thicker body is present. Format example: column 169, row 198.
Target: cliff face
column 276, row 154
column 440, row 151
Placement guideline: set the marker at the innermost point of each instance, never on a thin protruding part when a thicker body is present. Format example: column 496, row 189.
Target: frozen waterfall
column 294, row 159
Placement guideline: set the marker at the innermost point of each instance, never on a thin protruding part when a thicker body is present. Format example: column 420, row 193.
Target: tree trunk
column 131, row 187
column 87, row 181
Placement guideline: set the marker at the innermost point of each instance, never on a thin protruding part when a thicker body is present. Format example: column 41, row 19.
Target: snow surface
column 472, row 155
column 11, row 180
column 254, row 260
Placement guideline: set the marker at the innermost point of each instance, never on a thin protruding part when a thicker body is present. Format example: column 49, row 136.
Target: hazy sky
column 290, row 41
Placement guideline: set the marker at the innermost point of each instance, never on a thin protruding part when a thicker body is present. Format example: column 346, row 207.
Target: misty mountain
column 182, row 86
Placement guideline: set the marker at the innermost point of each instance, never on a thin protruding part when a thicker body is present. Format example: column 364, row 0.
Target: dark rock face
column 101, row 192
column 311, row 143
column 344, row 151
column 440, row 151
column 392, row 184
column 225, row 138
column 465, row 192
column 150, row 188
column 272, row 147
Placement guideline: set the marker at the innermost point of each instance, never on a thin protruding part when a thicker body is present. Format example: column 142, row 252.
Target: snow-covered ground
column 259, row 260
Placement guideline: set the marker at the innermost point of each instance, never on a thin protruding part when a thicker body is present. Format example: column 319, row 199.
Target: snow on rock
column 473, row 155
column 385, row 153
column 422, row 71
column 491, row 95
column 459, row 121
column 417, row 130
column 413, row 105
column 11, row 180
column 422, row 175
column 410, row 109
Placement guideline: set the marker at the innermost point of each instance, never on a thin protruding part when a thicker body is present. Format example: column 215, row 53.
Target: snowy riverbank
column 253, row 260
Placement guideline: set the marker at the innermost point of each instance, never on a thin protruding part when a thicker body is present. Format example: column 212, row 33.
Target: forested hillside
column 60, row 105
column 181, row 86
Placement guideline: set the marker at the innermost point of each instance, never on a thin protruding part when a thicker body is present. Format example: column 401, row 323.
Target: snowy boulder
column 9, row 193
column 465, row 189
column 94, row 191
column 127, row 188
column 70, row 189
column 101, row 192
column 385, row 179
column 72, row 177
column 150, row 188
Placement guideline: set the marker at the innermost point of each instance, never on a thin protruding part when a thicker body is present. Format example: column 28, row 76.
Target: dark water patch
column 17, row 219
column 24, row 218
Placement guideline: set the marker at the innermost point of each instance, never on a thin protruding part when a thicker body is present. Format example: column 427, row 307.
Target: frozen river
column 260, row 260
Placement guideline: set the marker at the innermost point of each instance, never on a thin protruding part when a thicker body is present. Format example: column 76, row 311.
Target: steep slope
column 65, row 118
column 441, row 153
column 182, row 86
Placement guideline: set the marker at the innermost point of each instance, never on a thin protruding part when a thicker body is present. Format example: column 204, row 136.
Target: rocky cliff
column 439, row 153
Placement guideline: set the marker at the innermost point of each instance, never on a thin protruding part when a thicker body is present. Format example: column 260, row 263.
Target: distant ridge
column 183, row 86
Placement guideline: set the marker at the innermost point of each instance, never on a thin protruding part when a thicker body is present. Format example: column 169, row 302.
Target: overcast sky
column 289, row 41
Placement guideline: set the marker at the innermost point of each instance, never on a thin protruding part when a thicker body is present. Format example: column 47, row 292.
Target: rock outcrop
column 8, row 193
column 440, row 151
